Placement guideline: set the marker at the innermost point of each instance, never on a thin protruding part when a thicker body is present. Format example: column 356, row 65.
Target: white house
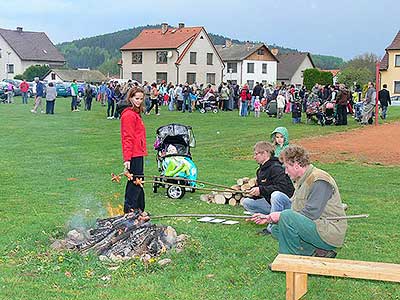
column 81, row 75
column 21, row 49
column 179, row 55
column 248, row 63
column 292, row 65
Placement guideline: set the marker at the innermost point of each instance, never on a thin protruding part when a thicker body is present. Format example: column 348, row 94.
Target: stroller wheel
column 202, row 111
column 175, row 192
column 215, row 110
column 155, row 187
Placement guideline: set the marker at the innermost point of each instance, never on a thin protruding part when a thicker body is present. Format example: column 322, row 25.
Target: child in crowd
column 257, row 107
column 296, row 112
column 280, row 138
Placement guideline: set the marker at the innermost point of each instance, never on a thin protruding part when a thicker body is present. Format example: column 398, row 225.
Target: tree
column 313, row 76
column 35, row 71
column 110, row 67
column 19, row 77
column 366, row 60
column 351, row 75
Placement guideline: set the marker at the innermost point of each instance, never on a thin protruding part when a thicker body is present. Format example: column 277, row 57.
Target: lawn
column 55, row 174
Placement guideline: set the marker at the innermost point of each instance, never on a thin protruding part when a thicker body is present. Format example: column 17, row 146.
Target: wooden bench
column 298, row 267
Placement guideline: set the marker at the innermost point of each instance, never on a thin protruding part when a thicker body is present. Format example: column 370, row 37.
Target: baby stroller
column 329, row 113
column 313, row 112
column 207, row 104
column 177, row 170
column 272, row 108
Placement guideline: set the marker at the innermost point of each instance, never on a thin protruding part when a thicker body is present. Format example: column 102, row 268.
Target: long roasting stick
column 243, row 217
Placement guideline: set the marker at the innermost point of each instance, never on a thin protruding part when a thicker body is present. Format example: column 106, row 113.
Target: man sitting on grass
column 305, row 228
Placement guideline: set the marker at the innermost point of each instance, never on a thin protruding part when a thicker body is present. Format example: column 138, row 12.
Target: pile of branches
column 123, row 237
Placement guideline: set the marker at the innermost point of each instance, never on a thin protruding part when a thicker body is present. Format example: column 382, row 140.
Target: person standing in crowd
column 384, row 100
column 245, row 97
column 342, row 99
column 88, row 97
column 74, row 94
column 51, row 94
column 280, row 105
column 10, row 92
column 273, row 188
column 133, row 140
column 110, row 101
column 24, row 87
column 224, row 96
column 369, row 104
column 171, row 94
column 257, row 107
column 186, row 98
column 39, row 96
column 154, row 99
column 103, row 93
column 307, row 228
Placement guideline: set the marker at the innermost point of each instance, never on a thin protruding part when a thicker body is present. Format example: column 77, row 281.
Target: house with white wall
column 21, row 49
column 178, row 55
column 248, row 63
column 292, row 65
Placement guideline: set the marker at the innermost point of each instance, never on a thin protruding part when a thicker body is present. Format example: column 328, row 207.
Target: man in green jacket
column 306, row 228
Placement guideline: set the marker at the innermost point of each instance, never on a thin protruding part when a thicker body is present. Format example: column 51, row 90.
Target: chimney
column 228, row 43
column 164, row 28
column 275, row 51
column 19, row 29
column 248, row 45
column 181, row 25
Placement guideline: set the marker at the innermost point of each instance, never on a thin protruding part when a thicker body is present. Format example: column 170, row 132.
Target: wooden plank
column 296, row 285
column 337, row 267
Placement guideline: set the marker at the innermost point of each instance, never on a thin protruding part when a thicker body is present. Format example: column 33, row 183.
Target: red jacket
column 24, row 86
column 133, row 134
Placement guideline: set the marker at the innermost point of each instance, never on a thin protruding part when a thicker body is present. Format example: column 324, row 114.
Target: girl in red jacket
column 133, row 139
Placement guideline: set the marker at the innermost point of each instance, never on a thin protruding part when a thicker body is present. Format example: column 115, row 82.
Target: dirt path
column 369, row 144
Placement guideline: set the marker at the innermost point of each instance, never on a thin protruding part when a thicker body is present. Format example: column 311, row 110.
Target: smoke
column 88, row 211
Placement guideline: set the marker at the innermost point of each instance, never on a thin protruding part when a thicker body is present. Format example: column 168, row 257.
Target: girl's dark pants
column 134, row 194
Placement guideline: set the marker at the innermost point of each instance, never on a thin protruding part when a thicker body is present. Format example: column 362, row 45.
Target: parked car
column 63, row 89
column 81, row 89
column 395, row 100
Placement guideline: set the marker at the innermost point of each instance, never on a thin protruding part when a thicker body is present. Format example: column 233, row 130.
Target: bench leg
column 296, row 285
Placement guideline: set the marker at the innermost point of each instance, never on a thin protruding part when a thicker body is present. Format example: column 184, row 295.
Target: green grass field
column 39, row 153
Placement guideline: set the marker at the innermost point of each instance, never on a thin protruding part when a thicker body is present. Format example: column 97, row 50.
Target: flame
column 114, row 211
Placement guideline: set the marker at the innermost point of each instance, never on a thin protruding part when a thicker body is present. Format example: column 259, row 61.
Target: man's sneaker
column 33, row 111
column 158, row 114
column 265, row 232
column 324, row 253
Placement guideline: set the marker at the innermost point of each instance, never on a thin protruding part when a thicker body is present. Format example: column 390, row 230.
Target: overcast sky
column 343, row 28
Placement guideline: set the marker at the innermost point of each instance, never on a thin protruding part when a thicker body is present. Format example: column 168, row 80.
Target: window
column 160, row 76
column 397, row 60
column 397, row 87
column 250, row 83
column 210, row 78
column 264, row 68
column 260, row 51
column 137, row 76
column 193, row 58
column 0, row 53
column 209, row 58
column 136, row 57
column 250, row 67
column 190, row 78
column 10, row 68
column 53, row 76
column 161, row 57
column 231, row 66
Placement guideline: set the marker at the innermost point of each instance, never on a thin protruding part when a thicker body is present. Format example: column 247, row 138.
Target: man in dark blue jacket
column 384, row 100
column 39, row 96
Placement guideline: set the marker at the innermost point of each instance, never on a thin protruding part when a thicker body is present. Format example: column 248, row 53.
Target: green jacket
column 330, row 231
column 285, row 133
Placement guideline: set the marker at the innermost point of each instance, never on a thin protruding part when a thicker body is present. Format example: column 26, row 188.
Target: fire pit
column 123, row 237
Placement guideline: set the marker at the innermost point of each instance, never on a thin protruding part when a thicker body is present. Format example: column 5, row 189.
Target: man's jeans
column 24, row 98
column 384, row 112
column 279, row 202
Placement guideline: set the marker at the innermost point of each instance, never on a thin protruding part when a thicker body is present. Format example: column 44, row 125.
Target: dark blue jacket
column 40, row 89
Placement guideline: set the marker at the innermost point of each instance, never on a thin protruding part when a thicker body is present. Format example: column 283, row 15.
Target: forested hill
column 102, row 52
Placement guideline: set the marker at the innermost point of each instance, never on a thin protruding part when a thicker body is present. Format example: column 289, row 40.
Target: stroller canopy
column 176, row 131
